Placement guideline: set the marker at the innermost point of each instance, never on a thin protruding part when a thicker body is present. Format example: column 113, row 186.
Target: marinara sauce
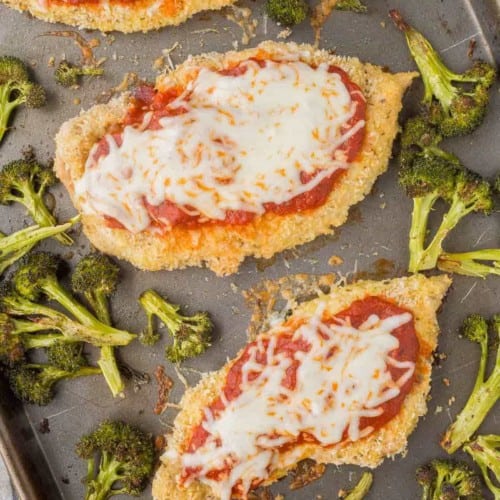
column 148, row 100
column 357, row 313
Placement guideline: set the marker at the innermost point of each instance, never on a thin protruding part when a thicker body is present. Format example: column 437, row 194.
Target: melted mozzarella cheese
column 343, row 377
column 242, row 142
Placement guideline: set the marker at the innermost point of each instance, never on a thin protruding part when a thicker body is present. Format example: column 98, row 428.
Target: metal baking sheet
column 372, row 243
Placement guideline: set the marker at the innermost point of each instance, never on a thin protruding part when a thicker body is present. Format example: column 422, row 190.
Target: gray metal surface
column 377, row 229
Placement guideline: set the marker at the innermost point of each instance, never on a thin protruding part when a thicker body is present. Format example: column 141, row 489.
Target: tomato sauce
column 358, row 312
column 147, row 100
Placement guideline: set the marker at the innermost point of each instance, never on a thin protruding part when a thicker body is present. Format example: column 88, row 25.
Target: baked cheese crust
column 223, row 247
column 420, row 295
column 128, row 17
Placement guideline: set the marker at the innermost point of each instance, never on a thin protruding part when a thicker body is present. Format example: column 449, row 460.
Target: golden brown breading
column 222, row 248
column 422, row 296
column 140, row 15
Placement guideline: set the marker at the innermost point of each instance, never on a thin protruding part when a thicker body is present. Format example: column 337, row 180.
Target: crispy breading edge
column 222, row 248
column 422, row 296
column 146, row 15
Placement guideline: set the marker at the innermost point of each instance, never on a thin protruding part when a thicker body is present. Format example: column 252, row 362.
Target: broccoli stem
column 422, row 207
column 361, row 489
column 33, row 201
column 51, row 374
column 60, row 295
column 6, row 107
column 457, row 211
column 102, row 484
column 472, row 415
column 111, row 372
column 42, row 340
column 465, row 263
column 107, row 360
column 167, row 312
column 485, row 450
column 15, row 245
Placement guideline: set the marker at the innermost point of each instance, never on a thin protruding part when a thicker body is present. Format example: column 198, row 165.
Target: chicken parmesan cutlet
column 343, row 379
column 230, row 155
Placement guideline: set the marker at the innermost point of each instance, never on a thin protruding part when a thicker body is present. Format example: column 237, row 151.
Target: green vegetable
column 16, row 245
column 68, row 75
column 485, row 450
column 428, row 173
column 351, row 5
column 361, row 489
column 96, row 278
column 486, row 390
column 447, row 480
column 25, row 182
column 16, row 88
column 471, row 263
column 120, row 460
column 287, row 12
column 191, row 334
column 454, row 109
column 34, row 383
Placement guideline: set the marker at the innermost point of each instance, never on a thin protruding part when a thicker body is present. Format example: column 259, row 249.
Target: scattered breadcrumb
column 160, row 443
column 284, row 34
column 165, row 384
column 335, row 260
column 438, row 410
column 446, row 382
column 51, row 62
column 77, row 101
column 451, row 400
column 242, row 17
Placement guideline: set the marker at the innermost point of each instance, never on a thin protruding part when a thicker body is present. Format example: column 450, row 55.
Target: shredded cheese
column 242, row 142
column 340, row 379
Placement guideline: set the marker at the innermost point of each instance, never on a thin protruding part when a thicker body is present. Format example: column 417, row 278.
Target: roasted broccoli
column 448, row 480
column 16, row 88
column 287, row 12
column 120, row 460
column 471, row 263
column 68, row 75
column 36, row 276
column 454, row 109
column 34, row 383
column 361, row 489
column 191, row 334
column 67, row 356
column 485, row 450
column 16, row 245
column 19, row 335
column 19, row 307
column 427, row 174
column 25, row 182
column 351, row 5
column 486, row 391
column 96, row 278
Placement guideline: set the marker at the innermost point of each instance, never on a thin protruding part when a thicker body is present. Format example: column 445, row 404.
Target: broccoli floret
column 287, row 12
column 67, row 356
column 16, row 245
column 351, row 5
column 485, row 450
column 34, row 383
column 191, row 334
column 486, row 390
column 25, row 182
column 361, row 489
column 427, row 174
column 16, row 88
column 471, row 263
column 96, row 277
column 37, row 276
column 454, row 109
column 447, row 480
column 120, row 460
column 68, row 75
